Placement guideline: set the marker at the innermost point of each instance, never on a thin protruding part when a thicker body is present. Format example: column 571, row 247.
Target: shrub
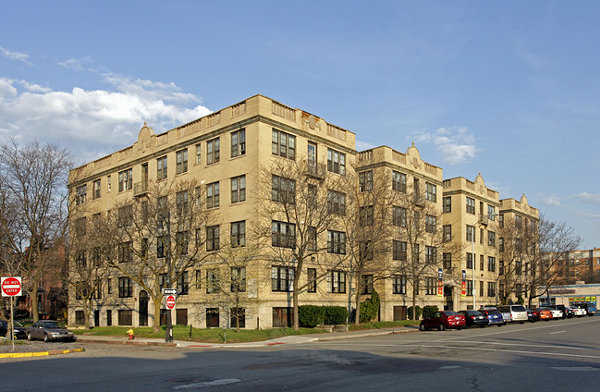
column 335, row 315
column 417, row 312
column 369, row 308
column 429, row 310
column 309, row 316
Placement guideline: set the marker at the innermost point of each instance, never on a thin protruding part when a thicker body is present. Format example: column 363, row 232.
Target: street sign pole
column 11, row 287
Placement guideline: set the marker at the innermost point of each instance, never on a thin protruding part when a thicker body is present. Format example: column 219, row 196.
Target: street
column 561, row 355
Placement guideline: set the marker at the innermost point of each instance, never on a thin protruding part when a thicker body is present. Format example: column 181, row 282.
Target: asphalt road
column 561, row 355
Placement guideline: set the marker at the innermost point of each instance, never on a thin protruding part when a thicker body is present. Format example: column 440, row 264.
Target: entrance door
column 448, row 298
column 143, row 308
column 97, row 318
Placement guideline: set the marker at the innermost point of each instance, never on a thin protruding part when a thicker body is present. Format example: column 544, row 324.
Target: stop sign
column 170, row 302
column 11, row 286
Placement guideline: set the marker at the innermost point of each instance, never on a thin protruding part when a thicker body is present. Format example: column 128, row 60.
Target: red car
column 443, row 320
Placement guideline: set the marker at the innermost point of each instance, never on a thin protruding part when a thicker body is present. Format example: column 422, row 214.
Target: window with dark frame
column 213, row 151
column 282, row 279
column 238, row 189
column 212, row 238
column 399, row 284
column 336, row 242
column 181, row 161
column 398, row 181
column 161, row 168
column 283, row 144
column 311, row 276
column 238, row 233
column 212, row 195
column 238, row 143
column 336, row 281
column 336, row 162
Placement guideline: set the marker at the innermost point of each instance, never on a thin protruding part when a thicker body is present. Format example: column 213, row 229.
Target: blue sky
column 509, row 89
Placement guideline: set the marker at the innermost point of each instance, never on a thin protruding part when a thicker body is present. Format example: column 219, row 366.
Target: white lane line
column 223, row 381
column 577, row 369
column 553, row 333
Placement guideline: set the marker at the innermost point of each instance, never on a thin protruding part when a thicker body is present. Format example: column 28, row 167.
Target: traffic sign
column 169, row 291
column 170, row 302
column 11, row 286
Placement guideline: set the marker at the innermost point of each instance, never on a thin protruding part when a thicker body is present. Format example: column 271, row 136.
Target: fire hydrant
column 130, row 333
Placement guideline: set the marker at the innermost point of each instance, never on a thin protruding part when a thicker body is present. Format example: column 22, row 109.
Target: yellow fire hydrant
column 130, row 333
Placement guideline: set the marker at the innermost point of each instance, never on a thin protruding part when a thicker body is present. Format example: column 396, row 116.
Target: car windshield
column 51, row 325
column 518, row 308
column 450, row 313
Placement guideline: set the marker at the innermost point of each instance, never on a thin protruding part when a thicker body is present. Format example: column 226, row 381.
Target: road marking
column 553, row 333
column 577, row 369
column 223, row 381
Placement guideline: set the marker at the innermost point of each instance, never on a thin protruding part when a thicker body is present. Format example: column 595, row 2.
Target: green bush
column 429, row 310
column 417, row 312
column 369, row 308
column 309, row 316
column 335, row 315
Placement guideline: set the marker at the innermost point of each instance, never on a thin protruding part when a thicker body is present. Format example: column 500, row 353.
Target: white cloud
column 363, row 146
column 592, row 198
column 550, row 201
column 22, row 57
column 455, row 144
column 76, row 64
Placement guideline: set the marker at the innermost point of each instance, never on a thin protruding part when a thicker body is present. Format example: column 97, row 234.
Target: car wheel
column 45, row 337
column 422, row 327
column 441, row 327
column 29, row 336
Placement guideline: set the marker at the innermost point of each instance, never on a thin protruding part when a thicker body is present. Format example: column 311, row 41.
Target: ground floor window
column 125, row 317
column 181, row 316
column 212, row 317
column 400, row 313
column 238, row 318
column 283, row 317
column 79, row 317
column 109, row 318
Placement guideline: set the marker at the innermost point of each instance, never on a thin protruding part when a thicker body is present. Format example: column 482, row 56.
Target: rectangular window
column 283, row 190
column 183, row 284
column 125, row 317
column 470, row 261
column 447, row 235
column 238, row 143
column 399, row 250
column 430, row 286
column 399, row 216
column 470, row 233
column 336, row 242
column 108, row 286
column 282, row 278
column 283, row 234
column 182, row 203
column 399, row 284
column 430, row 254
column 181, row 161
column 430, row 224
column 161, row 168
column 336, row 281
column 125, row 180
column 365, row 181
column 125, row 216
column 283, row 144
column 238, row 317
column 481, row 262
column 238, row 279
column 336, row 162
column 365, row 216
column 447, row 260
column 398, row 181
column 213, row 151
column 198, row 153
column 491, row 238
column 447, row 204
column 469, row 288
column 212, row 195
column 518, row 267
column 365, row 250
column 238, row 234
column 481, row 289
column 238, row 189
column 160, row 246
column 212, row 317
column 470, row 206
column 501, row 267
column 366, row 284
column 430, row 192
column 125, row 252
column 311, row 233
column 108, row 184
column 81, row 194
column 336, row 202
column 213, row 234
column 311, row 162
column 311, row 276
column 96, row 189
column 125, row 288
column 491, row 289
column 491, row 264
column 182, row 241
column 491, row 213
column 501, row 221
column 213, row 281
column 501, row 244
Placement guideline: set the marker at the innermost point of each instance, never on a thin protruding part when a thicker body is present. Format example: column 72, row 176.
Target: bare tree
column 33, row 187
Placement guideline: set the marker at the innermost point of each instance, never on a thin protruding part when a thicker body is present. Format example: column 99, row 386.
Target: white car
column 556, row 313
column 578, row 312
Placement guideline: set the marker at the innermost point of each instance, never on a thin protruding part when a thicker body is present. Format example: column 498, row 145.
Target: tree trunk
column 35, row 313
column 357, row 302
column 295, row 304
column 157, row 306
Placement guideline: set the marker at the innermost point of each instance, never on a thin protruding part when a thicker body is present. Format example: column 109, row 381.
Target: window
column 399, row 284
column 470, row 206
column 213, row 281
column 282, row 278
column 399, row 250
column 238, row 279
column 447, row 204
column 470, row 261
column 212, row 238
column 212, row 195
column 491, row 264
column 447, row 233
column 238, row 143
column 501, row 220
column 491, row 238
column 81, row 194
column 398, row 181
column 108, row 286
column 430, row 254
column 311, row 276
column 283, row 190
column 336, row 202
column 365, row 180
column 491, row 213
column 336, row 162
column 365, row 216
column 416, row 191
column 96, row 189
column 481, row 291
column 238, row 317
column 283, row 144
column 518, row 267
column 311, row 234
column 447, row 260
column 365, row 250
column 491, row 289
column 238, row 234
column 469, row 288
column 125, row 216
column 161, row 168
column 125, row 180
column 366, row 284
column 336, row 281
column 125, row 317
column 182, row 203
column 430, row 192
column 430, row 224
column 198, row 153
column 125, row 288
column 283, row 234
column 238, row 189
column 501, row 267
column 470, row 233
column 311, row 158
column 125, row 252
column 144, row 249
column 336, row 242
column 501, row 244
column 108, row 184
column 399, row 216
column 430, row 286
column 183, row 284
column 481, row 262
column 213, row 151
column 182, row 240
column 181, row 161
column 160, row 246
column 81, row 227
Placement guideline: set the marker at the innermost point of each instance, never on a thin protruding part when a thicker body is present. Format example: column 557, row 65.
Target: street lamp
column 169, row 326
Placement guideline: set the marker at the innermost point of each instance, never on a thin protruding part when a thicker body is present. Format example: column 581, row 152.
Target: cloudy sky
column 510, row 89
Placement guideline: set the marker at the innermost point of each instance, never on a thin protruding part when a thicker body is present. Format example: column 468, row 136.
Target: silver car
column 48, row 330
column 513, row 313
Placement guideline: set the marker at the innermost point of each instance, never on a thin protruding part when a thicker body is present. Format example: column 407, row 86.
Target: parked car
column 590, row 308
column 556, row 313
column 516, row 313
column 564, row 309
column 578, row 312
column 473, row 318
column 494, row 316
column 545, row 314
column 533, row 315
column 442, row 320
column 48, row 330
column 18, row 330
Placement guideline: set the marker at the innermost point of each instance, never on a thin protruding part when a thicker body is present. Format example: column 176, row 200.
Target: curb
column 41, row 353
column 126, row 342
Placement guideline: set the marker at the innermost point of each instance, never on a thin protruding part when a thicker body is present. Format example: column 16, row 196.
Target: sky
column 508, row 89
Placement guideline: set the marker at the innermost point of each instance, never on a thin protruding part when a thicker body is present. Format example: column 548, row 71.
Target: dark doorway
column 448, row 298
column 143, row 308
column 97, row 318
